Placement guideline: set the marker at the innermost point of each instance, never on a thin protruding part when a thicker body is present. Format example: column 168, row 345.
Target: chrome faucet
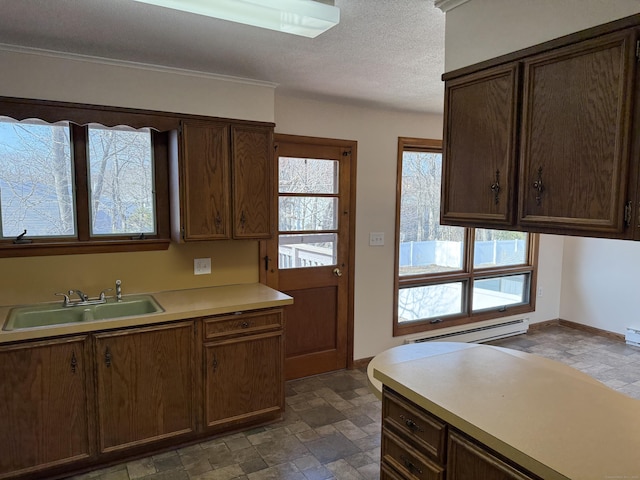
column 81, row 294
column 118, row 290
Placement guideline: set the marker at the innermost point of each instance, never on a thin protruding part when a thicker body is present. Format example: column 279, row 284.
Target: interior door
column 310, row 258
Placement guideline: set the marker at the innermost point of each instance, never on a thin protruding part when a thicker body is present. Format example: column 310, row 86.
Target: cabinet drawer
column 425, row 431
column 388, row 473
column 407, row 460
column 240, row 324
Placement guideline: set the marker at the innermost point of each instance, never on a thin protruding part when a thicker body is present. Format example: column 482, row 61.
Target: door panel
column 311, row 257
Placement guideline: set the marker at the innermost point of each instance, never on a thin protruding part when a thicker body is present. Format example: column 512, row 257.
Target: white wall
column 600, row 283
column 377, row 132
column 482, row 29
column 591, row 280
column 35, row 74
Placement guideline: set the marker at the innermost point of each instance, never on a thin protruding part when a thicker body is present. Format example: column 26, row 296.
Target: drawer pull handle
column 245, row 325
column 410, row 465
column 411, row 425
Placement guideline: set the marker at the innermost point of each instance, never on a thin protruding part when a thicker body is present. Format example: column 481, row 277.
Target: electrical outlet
column 201, row 266
column 376, row 239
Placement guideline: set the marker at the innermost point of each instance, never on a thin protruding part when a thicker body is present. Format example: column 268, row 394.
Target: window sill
column 76, row 248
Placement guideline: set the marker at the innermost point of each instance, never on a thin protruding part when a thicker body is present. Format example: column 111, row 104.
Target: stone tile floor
column 331, row 428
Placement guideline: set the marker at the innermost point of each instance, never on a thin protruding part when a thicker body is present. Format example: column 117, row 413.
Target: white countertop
column 546, row 416
column 177, row 305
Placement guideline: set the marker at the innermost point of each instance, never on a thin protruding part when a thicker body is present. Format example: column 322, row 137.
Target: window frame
column 80, row 116
column 467, row 275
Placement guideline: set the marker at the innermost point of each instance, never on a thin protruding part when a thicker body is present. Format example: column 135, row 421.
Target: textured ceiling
column 384, row 53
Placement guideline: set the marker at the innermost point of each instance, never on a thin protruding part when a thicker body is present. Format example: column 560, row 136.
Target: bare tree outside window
column 121, row 175
column 36, row 186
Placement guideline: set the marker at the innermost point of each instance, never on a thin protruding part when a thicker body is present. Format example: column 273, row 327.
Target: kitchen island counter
column 544, row 416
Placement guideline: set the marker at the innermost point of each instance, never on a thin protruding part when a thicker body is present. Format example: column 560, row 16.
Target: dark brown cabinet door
column 466, row 461
column 576, row 133
column 144, row 385
column 479, row 157
column 252, row 155
column 44, row 402
column 205, row 181
column 243, row 379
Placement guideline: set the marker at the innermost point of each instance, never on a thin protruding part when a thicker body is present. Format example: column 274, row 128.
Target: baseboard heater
column 477, row 333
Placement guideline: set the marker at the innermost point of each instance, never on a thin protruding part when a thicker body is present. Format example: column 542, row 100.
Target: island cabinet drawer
column 242, row 323
column 407, row 461
column 425, row 431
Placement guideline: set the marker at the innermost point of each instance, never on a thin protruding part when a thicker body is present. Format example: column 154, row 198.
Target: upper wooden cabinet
column 221, row 181
column 541, row 140
column 480, row 147
column 252, row 153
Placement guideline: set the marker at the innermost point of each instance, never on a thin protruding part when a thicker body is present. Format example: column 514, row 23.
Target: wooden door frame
column 262, row 246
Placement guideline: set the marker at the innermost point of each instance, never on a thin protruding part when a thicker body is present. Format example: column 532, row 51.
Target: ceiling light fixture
column 307, row 18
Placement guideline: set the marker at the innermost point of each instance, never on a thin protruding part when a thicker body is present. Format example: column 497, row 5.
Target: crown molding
column 446, row 5
column 124, row 63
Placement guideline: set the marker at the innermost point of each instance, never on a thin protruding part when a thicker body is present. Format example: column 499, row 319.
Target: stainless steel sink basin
column 48, row 315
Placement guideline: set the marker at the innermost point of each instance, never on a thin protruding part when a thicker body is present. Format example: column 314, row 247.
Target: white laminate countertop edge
column 177, row 305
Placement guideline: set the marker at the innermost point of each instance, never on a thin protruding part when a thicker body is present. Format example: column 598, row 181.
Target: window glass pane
column 431, row 301
column 307, row 213
column 307, row 175
column 121, row 181
column 36, row 182
column 492, row 293
column 495, row 248
column 303, row 251
column 425, row 245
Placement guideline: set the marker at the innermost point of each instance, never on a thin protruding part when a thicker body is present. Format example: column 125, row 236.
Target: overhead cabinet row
column 221, row 181
column 543, row 141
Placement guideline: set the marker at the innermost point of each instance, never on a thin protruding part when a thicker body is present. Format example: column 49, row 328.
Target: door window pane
column 307, row 213
column 492, row 293
column 36, row 181
column 121, row 179
column 495, row 248
column 425, row 245
column 307, row 175
column 303, row 251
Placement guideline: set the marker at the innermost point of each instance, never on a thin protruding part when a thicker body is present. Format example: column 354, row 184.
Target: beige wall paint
column 31, row 75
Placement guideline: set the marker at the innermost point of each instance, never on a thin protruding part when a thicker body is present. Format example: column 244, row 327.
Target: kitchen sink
column 49, row 315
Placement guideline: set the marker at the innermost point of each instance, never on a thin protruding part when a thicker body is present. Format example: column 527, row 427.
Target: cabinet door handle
column 539, row 187
column 214, row 364
column 243, row 219
column 411, row 425
column 74, row 362
column 410, row 465
column 218, row 221
column 107, row 357
column 495, row 188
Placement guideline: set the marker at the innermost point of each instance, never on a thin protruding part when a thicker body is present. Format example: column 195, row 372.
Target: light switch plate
column 376, row 239
column 201, row 266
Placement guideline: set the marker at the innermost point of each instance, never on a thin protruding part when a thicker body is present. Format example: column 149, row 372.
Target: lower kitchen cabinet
column 77, row 402
column 418, row 446
column 467, row 459
column 46, row 395
column 243, row 371
column 145, row 385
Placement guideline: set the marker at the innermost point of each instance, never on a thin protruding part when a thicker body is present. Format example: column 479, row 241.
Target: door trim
column 269, row 276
